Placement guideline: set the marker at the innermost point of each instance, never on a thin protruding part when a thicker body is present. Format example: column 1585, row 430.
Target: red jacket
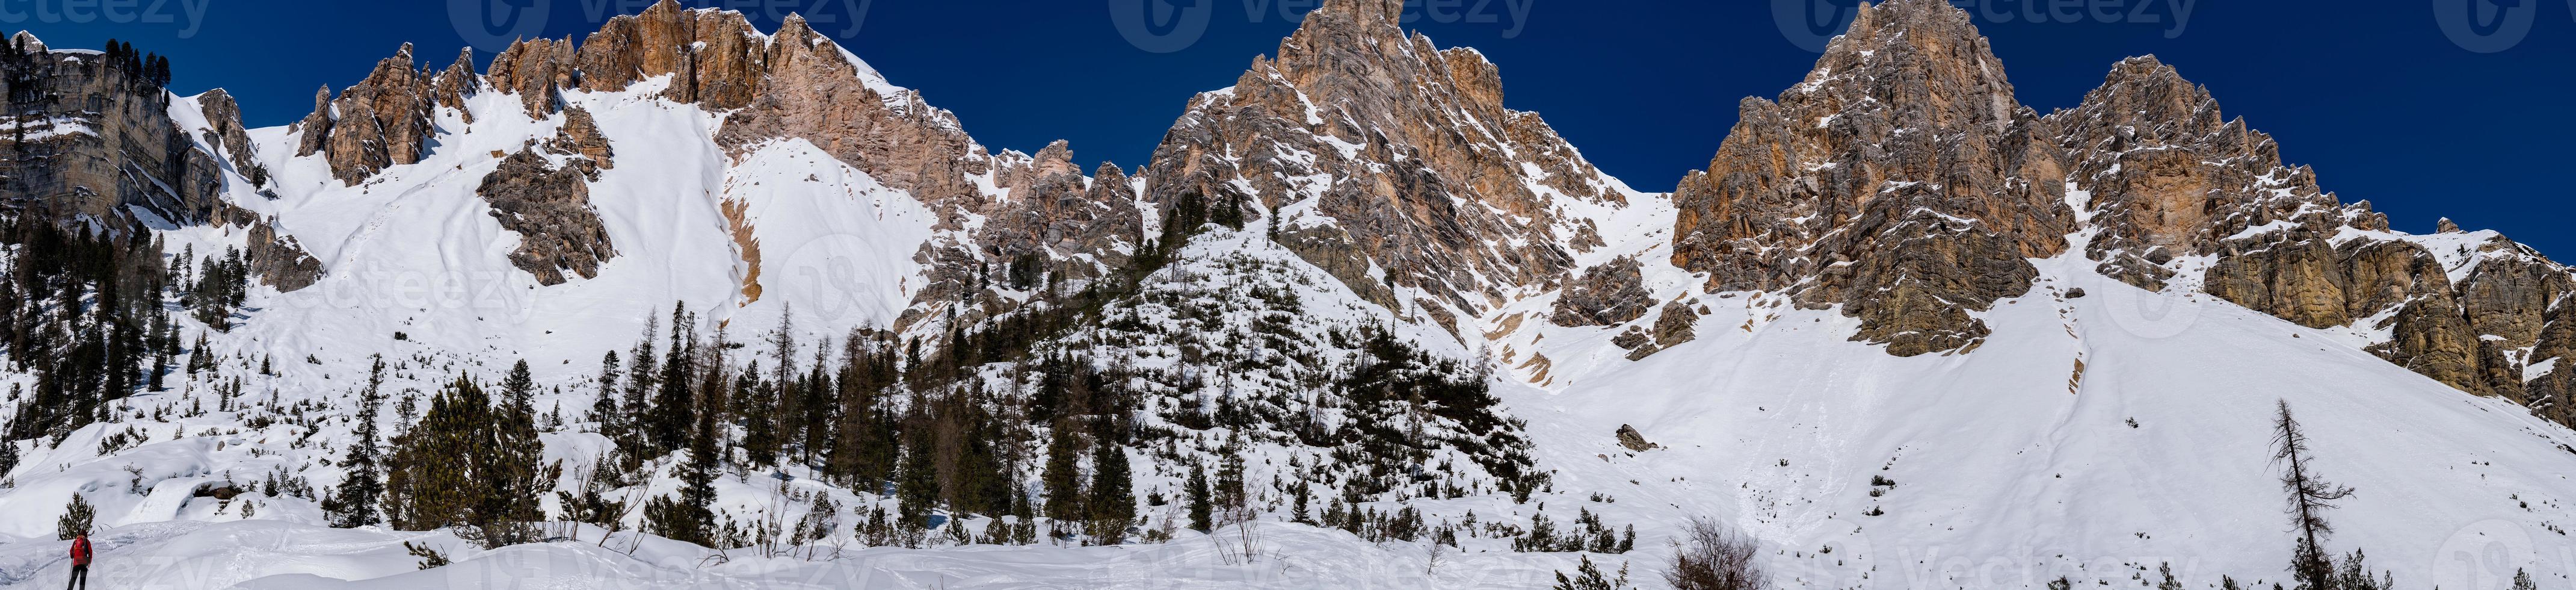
column 80, row 551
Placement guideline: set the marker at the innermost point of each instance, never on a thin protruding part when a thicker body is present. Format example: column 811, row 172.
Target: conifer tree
column 1200, row 512
column 603, row 409
column 758, row 404
column 916, row 486
column 1588, row 577
column 509, row 464
column 76, row 520
column 354, row 503
column 8, row 456
column 431, row 483
column 691, row 518
column 1063, row 477
column 1113, row 496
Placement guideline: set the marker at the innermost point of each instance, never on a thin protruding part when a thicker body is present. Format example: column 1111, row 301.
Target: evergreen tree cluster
column 86, row 313
column 146, row 70
column 469, row 464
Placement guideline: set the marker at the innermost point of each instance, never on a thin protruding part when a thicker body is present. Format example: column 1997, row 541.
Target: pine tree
column 1199, row 502
column 1231, row 497
column 1588, row 577
column 519, row 389
column 76, row 520
column 916, row 486
column 2310, row 497
column 2522, row 580
column 509, row 464
column 1063, row 477
column 691, row 518
column 354, row 503
column 1300, row 497
column 758, row 404
column 431, row 483
column 8, row 456
column 1113, row 496
column 2169, row 583
column 603, row 409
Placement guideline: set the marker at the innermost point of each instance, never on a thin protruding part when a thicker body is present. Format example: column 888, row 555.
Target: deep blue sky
column 2375, row 95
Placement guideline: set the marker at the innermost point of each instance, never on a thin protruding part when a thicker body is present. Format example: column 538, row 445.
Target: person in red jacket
column 80, row 562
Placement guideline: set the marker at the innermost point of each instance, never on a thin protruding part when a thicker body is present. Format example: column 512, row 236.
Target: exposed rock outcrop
column 580, row 136
column 714, row 58
column 536, row 70
column 454, row 84
column 227, row 135
column 382, row 121
column 1901, row 181
column 1606, row 295
column 1632, row 440
column 548, row 205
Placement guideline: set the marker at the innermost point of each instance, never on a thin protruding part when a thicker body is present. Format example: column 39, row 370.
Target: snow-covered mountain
column 1904, row 331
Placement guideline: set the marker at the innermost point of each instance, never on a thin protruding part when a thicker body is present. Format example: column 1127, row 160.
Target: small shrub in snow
column 76, row 520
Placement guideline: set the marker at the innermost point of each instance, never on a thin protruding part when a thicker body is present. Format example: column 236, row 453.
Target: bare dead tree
column 1710, row 556
column 2310, row 498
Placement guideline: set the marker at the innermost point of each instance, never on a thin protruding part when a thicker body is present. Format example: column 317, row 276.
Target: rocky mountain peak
column 458, row 81
column 715, row 57
column 1900, row 180
column 383, row 120
column 1420, row 180
column 1923, row 61
column 27, row 40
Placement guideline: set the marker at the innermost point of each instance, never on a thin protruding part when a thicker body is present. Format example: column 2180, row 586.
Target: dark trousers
column 80, row 578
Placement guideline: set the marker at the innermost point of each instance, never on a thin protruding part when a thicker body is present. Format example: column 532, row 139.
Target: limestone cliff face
column 1390, row 163
column 2168, row 176
column 1901, row 181
column 2170, row 179
column 94, row 142
column 382, row 121
column 714, row 58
